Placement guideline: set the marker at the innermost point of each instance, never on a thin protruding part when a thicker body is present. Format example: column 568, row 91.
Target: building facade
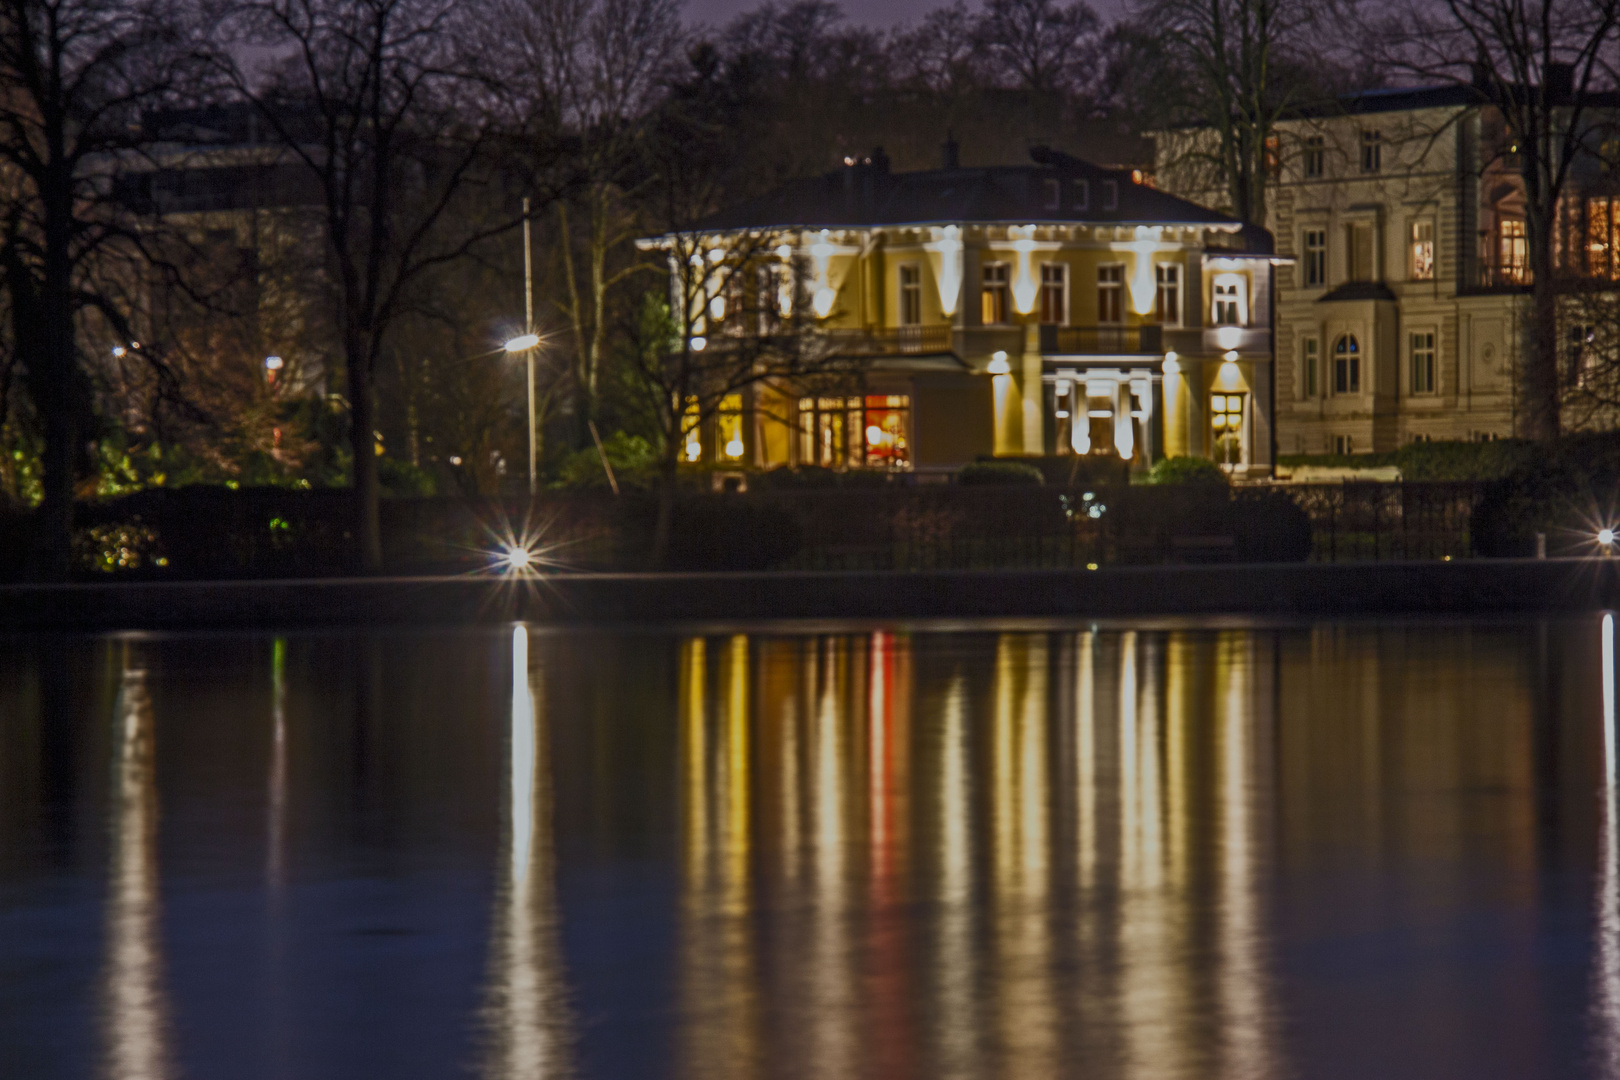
column 1059, row 308
column 1403, row 309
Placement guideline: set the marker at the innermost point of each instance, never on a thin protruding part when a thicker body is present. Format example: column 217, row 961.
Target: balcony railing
column 1101, row 340
column 893, row 340
column 1489, row 275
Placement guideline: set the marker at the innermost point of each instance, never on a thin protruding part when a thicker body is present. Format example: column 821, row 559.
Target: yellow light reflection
column 526, row 1012
column 135, row 1008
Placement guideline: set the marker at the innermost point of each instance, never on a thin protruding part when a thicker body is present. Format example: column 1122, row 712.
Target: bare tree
column 1042, row 46
column 1539, row 66
column 599, row 66
column 1230, row 69
column 74, row 78
column 394, row 107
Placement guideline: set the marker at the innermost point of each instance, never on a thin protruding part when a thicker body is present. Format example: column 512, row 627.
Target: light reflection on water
column 1145, row 853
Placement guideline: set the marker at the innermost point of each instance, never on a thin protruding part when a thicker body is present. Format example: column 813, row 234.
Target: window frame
column 1051, row 193
column 1001, row 289
column 1316, row 268
column 1061, row 290
column 1372, row 151
column 1161, row 286
column 910, row 294
column 1110, row 194
column 1428, row 350
column 1413, row 241
column 1239, row 299
column 1315, row 155
column 1114, row 287
column 1081, row 194
column 1346, row 365
column 1310, row 360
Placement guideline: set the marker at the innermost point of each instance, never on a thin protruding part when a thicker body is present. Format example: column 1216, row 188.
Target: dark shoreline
column 1475, row 587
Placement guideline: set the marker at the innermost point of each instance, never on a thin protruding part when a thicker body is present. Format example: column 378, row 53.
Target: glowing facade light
column 823, row 301
column 273, row 363
column 1144, row 288
column 522, row 343
column 118, row 352
column 784, row 252
column 1230, row 356
column 1024, row 289
column 1172, row 363
column 1229, row 337
column 1605, row 539
column 717, row 308
column 999, row 364
column 949, row 246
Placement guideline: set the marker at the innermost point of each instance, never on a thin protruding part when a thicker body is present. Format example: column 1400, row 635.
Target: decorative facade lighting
column 1229, row 337
column 1024, row 289
column 1172, row 364
column 999, row 364
column 949, row 246
column 822, row 251
column 1143, row 286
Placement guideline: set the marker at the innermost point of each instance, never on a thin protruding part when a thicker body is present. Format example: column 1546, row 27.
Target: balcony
column 1507, row 277
column 1101, row 340
column 892, row 341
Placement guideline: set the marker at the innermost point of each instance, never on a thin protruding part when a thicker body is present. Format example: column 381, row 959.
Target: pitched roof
column 865, row 194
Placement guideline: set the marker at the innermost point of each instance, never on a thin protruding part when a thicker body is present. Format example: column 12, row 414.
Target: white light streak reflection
column 526, row 1008
column 135, row 1008
column 1606, row 995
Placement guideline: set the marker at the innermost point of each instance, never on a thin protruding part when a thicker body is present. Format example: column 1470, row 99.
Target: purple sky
column 876, row 13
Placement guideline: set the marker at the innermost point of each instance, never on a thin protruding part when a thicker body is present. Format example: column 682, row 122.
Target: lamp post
column 525, row 342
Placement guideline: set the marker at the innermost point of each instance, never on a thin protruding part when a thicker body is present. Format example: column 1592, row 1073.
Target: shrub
column 1269, row 526
column 729, row 532
column 1187, row 470
column 402, row 479
column 634, row 461
column 1566, row 491
column 999, row 474
column 790, row 478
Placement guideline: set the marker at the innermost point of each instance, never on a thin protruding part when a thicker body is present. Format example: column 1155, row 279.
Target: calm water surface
column 1365, row 850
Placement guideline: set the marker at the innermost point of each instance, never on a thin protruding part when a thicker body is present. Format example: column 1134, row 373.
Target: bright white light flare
column 522, row 343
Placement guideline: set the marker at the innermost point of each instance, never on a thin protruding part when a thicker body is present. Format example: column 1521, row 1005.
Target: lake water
column 1344, row 850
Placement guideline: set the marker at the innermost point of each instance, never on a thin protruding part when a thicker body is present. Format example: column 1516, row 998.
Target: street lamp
column 525, row 342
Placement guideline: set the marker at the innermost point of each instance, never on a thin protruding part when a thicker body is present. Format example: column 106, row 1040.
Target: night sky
column 875, row 13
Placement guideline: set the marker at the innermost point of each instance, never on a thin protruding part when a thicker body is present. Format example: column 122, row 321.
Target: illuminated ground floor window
column 1226, row 420
column 872, row 431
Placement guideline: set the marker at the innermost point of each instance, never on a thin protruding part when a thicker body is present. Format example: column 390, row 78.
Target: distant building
column 1403, row 310
column 1058, row 308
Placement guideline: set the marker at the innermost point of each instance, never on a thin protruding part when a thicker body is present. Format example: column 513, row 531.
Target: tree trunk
column 363, row 446
column 666, row 508
column 55, row 385
column 1538, row 367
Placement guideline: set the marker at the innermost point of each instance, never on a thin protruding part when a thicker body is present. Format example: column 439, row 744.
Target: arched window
column 1347, row 365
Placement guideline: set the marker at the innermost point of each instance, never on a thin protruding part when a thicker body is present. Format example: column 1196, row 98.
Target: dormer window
column 1110, row 195
column 1081, row 194
column 1052, row 194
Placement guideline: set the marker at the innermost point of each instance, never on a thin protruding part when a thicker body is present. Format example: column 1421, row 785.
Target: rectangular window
column 1602, row 233
column 1422, row 243
column 1228, row 301
column 1310, row 361
column 1315, row 157
column 1054, row 294
column 1577, row 372
column 828, row 426
column 910, row 295
column 993, row 297
column 1111, row 293
column 1051, row 194
column 1358, row 251
column 1513, row 251
column 1226, row 418
column 728, row 424
column 1167, row 302
column 1082, row 194
column 1316, row 257
column 1344, row 444
column 1372, row 151
column 1347, row 365
column 1110, row 195
column 887, row 431
column 1423, row 362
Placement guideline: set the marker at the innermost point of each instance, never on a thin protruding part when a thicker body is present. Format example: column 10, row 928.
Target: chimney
column 953, row 158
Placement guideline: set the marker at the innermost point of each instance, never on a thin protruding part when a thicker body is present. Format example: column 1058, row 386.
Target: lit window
column 1167, row 299
column 1316, row 257
column 728, row 425
column 1226, row 419
column 910, row 295
column 1054, row 294
column 887, row 430
column 1602, row 232
column 993, row 297
column 1423, row 362
column 1422, row 267
column 1513, row 248
column 1347, row 365
column 691, row 425
column 1111, row 293
column 1310, row 361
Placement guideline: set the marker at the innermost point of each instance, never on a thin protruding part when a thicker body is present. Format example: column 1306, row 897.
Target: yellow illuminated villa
column 1054, row 309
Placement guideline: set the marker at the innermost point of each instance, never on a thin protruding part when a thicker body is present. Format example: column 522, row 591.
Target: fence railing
column 213, row 533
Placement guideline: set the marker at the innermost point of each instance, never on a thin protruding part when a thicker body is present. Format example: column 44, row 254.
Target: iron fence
column 1364, row 521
